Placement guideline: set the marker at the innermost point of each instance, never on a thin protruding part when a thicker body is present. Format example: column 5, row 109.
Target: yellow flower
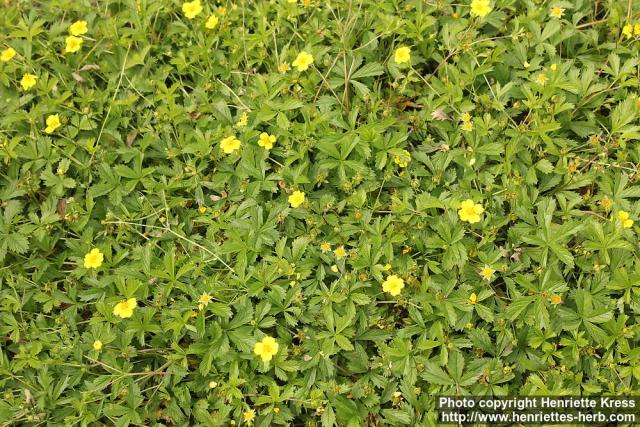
column 202, row 209
column 302, row 61
column 284, row 67
column 553, row 67
column 28, row 81
column 7, row 54
column 541, row 79
column 636, row 29
column 334, row 268
column 53, row 123
column 125, row 308
column 93, row 259
column 211, row 22
column 557, row 12
column 403, row 159
column 480, row 8
column 624, row 219
column 73, row 44
column 230, row 144
column 466, row 117
column 606, row 204
column 266, row 349
column 249, row 416
column 191, row 8
column 266, row 141
column 473, row 298
column 556, row 299
column 97, row 345
column 205, row 298
column 78, row 28
column 403, row 54
column 296, row 199
column 213, row 384
column 325, row 247
column 467, row 126
column 393, row 285
column 340, row 252
column 470, row 211
column 387, row 267
column 276, row 410
column 244, row 119
column 627, row 30
column 487, row 272
column 221, row 10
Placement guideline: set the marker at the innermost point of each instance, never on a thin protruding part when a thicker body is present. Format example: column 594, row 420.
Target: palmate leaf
column 16, row 243
column 12, row 208
column 13, row 242
column 518, row 306
column 436, row 375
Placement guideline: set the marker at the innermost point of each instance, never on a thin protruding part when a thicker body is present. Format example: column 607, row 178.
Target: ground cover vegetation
column 314, row 212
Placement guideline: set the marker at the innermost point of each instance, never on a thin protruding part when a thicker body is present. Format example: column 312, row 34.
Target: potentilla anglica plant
column 314, row 212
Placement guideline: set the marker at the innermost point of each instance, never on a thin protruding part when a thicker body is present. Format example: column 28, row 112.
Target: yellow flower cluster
column 402, row 159
column 73, row 43
column 624, row 219
column 243, row 120
column 631, row 30
column 231, row 143
column 467, row 122
column 191, row 9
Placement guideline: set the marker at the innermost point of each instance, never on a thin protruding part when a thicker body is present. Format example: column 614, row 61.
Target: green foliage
column 533, row 117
